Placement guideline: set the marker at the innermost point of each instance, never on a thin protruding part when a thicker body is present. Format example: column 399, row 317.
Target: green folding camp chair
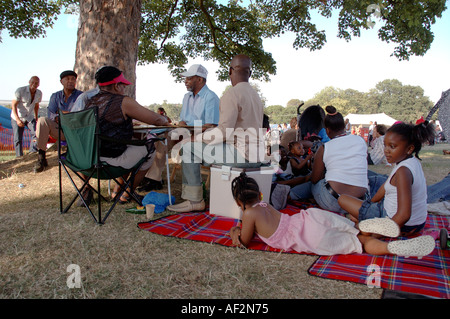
column 82, row 159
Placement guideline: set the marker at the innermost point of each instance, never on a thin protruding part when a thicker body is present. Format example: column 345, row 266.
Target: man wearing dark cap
column 47, row 126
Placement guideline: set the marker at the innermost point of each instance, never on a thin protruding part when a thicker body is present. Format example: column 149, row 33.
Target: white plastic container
column 221, row 201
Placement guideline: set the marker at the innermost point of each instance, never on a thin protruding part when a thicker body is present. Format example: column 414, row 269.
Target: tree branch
column 172, row 11
column 213, row 29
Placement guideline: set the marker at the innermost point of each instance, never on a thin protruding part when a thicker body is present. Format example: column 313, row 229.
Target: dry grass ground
column 117, row 260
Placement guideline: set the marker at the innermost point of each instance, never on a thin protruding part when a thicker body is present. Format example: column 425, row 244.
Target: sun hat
column 108, row 75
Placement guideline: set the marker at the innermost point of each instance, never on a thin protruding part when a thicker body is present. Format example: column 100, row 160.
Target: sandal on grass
column 123, row 199
column 127, row 199
column 113, row 195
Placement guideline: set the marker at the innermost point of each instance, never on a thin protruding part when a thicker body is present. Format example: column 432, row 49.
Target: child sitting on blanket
column 299, row 161
column 403, row 197
column 294, row 164
column 315, row 230
column 283, row 173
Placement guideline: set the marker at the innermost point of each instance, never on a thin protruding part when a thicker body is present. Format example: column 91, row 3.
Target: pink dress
column 315, row 231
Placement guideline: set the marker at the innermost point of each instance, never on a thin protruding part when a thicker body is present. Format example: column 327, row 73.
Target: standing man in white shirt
column 24, row 113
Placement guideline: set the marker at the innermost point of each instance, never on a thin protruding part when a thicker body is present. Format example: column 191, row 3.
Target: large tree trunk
column 108, row 34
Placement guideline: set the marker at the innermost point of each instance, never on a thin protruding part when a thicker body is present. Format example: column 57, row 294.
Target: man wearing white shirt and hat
column 199, row 104
column 238, row 139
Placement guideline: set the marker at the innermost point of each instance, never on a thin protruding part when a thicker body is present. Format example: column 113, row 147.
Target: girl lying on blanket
column 403, row 197
column 315, row 230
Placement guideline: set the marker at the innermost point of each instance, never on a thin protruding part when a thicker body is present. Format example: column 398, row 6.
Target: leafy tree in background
column 27, row 19
column 124, row 32
column 402, row 102
column 294, row 102
column 173, row 110
column 357, row 101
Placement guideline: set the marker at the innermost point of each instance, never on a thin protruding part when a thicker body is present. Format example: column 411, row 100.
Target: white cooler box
column 221, row 201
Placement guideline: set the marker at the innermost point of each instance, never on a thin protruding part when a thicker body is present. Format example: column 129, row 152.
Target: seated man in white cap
column 238, row 139
column 199, row 104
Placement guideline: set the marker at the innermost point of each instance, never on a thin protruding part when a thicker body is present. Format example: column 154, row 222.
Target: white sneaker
column 381, row 226
column 416, row 247
column 187, row 206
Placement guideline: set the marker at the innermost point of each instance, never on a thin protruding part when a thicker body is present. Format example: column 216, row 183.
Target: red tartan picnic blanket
column 205, row 227
column 428, row 276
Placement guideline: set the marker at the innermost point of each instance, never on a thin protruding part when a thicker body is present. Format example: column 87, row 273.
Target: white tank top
column 419, row 193
column 345, row 160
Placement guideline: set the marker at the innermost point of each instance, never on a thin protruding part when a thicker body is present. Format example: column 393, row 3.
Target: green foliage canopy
column 174, row 30
column 27, row 19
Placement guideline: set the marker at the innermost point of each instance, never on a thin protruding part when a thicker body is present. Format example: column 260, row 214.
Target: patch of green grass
column 7, row 156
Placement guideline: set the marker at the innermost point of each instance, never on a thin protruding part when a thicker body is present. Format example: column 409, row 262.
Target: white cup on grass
column 150, row 210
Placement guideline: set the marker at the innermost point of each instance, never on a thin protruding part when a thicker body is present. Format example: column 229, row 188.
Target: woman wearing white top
column 340, row 166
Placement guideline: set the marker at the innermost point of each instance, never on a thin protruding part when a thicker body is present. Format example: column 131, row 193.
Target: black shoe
column 151, row 185
column 145, row 180
column 87, row 196
column 40, row 165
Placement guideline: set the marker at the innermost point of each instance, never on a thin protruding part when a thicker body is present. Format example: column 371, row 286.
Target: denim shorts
column 370, row 210
column 324, row 198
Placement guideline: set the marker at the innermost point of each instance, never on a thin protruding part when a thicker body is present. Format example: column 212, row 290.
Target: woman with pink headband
column 116, row 112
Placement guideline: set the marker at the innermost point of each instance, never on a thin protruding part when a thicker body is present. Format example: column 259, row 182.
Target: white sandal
column 381, row 226
column 416, row 247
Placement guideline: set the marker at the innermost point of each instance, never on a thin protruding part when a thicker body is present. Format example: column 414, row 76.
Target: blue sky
column 358, row 64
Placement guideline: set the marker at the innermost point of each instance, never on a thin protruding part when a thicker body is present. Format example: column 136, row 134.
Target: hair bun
column 331, row 110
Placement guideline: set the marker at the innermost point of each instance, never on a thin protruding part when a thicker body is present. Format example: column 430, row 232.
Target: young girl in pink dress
column 314, row 230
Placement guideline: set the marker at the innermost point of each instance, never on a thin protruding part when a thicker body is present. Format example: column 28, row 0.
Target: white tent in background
column 364, row 119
